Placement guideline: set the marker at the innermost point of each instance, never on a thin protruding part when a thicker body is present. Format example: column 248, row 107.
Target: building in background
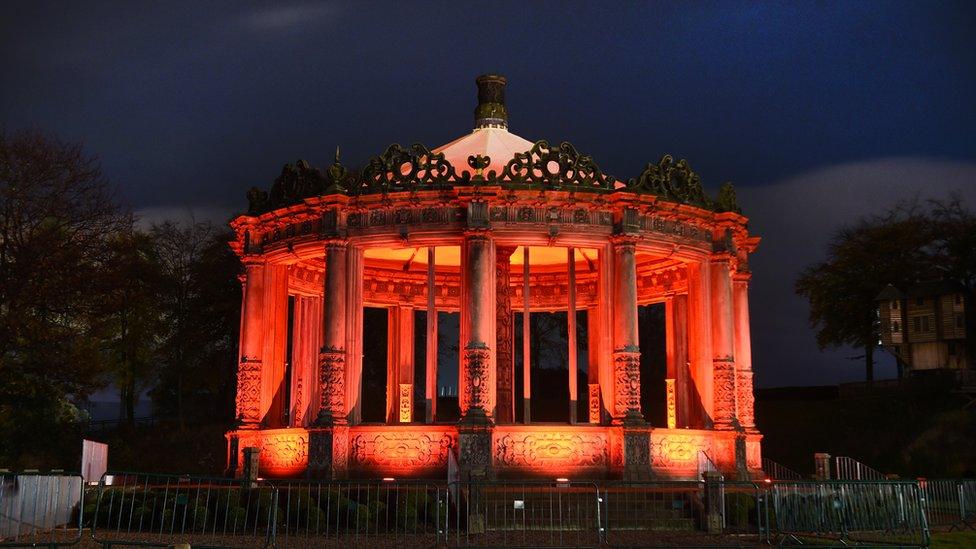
column 926, row 326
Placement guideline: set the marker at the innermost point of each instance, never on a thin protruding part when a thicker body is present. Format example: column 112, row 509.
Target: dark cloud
column 189, row 104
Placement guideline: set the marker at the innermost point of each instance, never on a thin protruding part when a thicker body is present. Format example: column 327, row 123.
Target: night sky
column 819, row 112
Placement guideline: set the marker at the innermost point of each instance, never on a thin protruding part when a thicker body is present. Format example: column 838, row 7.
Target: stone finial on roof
column 491, row 111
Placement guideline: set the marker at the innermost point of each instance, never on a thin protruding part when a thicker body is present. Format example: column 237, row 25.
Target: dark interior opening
column 373, row 398
column 653, row 362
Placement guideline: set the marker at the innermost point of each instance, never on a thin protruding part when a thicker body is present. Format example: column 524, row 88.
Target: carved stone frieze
column 393, row 450
column 283, row 451
column 551, row 450
column 677, row 450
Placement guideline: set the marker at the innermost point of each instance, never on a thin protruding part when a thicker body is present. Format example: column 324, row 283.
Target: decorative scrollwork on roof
column 407, row 169
column 544, row 166
column 297, row 182
column 671, row 181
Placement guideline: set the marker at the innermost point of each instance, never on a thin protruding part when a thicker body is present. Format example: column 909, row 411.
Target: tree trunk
column 869, row 362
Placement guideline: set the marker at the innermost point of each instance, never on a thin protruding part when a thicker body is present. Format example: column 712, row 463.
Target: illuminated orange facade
column 491, row 226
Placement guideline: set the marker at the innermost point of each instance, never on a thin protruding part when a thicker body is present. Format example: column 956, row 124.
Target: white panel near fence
column 94, row 460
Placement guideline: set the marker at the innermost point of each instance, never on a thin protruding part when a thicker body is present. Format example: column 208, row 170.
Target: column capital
column 624, row 242
column 336, row 243
column 472, row 234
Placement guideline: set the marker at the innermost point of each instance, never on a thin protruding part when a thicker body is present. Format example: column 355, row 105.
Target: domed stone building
column 492, row 229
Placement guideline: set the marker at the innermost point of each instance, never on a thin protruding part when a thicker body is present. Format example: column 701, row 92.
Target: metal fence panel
column 161, row 510
column 676, row 513
column 40, row 509
column 353, row 513
column 949, row 503
column 554, row 514
column 877, row 512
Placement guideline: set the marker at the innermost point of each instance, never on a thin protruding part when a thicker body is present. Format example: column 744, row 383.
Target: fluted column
column 744, row 397
column 626, row 345
column 723, row 344
column 504, row 337
column 249, row 369
column 332, row 359
column 477, row 380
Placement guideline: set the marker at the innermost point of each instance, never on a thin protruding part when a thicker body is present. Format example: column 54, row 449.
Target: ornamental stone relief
column 745, row 399
column 476, row 379
column 248, row 399
column 626, row 375
column 405, row 216
column 550, row 450
column 677, row 451
column 332, row 371
column 282, row 453
column 400, row 450
column 723, row 375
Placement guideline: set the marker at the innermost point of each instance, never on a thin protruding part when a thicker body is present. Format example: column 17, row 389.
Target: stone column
column 477, row 378
column 626, row 345
column 571, row 332
column 700, row 344
column 626, row 362
column 744, row 398
column 248, row 401
column 723, row 345
column 275, row 355
column 327, row 443
column 504, row 337
column 431, row 381
column 595, row 407
column 400, row 368
column 677, row 326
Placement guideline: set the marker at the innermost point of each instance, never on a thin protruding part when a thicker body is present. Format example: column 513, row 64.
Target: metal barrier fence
column 560, row 514
column 682, row 513
column 360, row 513
column 40, row 509
column 949, row 503
column 874, row 512
column 160, row 510
column 846, row 468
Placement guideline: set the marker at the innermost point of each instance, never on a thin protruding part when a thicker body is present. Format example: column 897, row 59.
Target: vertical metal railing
column 165, row 509
column 882, row 513
column 555, row 514
column 949, row 503
column 847, row 468
column 778, row 471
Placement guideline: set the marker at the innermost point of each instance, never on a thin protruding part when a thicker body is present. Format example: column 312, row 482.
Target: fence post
column 821, row 465
column 252, row 456
column 713, row 502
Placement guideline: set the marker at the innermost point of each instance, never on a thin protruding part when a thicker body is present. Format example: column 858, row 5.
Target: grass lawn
column 965, row 538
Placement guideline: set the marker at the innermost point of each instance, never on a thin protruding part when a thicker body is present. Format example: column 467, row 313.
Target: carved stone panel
column 626, row 375
column 476, row 390
column 406, row 403
column 397, row 451
column 723, row 375
column 745, row 400
column 284, row 452
column 595, row 406
column 248, row 400
column 332, row 371
column 546, row 450
column 677, row 451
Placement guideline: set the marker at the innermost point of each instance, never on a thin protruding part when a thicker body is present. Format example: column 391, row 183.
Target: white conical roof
column 496, row 143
